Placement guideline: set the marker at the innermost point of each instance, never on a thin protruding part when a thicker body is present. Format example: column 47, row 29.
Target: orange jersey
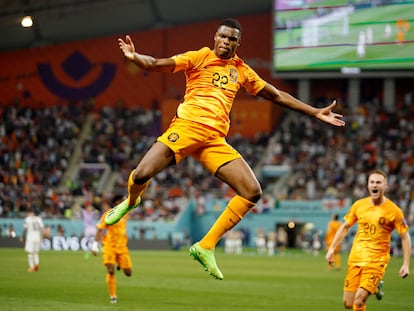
column 116, row 235
column 212, row 85
column 333, row 226
column 375, row 226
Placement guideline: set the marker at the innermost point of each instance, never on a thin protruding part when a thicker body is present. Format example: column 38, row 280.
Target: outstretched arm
column 144, row 62
column 339, row 236
column 406, row 247
column 284, row 99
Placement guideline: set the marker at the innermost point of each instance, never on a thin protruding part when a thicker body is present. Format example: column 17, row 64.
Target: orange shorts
column 366, row 277
column 118, row 256
column 208, row 146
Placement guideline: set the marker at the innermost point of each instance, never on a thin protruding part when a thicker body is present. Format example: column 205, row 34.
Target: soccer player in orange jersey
column 377, row 217
column 115, row 250
column 199, row 129
column 331, row 230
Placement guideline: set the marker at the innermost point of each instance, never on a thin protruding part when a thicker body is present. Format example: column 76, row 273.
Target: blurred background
column 76, row 117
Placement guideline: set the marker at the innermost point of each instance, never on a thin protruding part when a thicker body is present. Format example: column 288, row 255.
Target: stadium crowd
column 36, row 146
column 330, row 163
column 35, row 149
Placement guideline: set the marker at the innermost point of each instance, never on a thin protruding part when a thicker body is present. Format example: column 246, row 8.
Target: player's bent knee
column 141, row 177
column 255, row 195
column 255, row 198
column 110, row 269
column 359, row 302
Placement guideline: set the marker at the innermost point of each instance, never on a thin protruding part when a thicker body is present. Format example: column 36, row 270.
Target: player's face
column 377, row 184
column 226, row 41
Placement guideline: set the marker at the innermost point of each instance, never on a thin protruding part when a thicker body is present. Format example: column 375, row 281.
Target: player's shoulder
column 362, row 202
column 391, row 204
column 205, row 49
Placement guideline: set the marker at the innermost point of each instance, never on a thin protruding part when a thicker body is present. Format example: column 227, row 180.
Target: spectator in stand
column 34, row 154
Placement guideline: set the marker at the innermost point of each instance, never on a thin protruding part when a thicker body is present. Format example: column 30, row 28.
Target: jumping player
column 199, row 129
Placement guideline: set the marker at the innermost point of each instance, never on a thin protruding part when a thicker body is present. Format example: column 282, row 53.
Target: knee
column 359, row 302
column 254, row 193
column 110, row 269
column 140, row 176
column 348, row 304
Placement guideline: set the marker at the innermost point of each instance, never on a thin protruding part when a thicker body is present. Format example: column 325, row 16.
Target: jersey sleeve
column 188, row 59
column 401, row 225
column 253, row 83
column 350, row 217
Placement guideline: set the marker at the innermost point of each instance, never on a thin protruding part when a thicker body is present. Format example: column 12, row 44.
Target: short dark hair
column 232, row 23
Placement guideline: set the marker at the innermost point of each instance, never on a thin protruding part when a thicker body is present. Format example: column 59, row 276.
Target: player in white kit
column 32, row 233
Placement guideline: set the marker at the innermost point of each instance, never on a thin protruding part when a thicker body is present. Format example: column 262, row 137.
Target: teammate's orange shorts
column 205, row 144
column 366, row 277
column 120, row 256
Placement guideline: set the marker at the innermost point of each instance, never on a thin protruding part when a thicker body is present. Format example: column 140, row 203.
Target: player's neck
column 378, row 201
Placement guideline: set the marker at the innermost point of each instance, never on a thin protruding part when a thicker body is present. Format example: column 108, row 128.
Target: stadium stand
column 43, row 148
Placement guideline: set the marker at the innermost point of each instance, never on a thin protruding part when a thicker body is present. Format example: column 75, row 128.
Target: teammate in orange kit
column 115, row 249
column 377, row 217
column 331, row 230
column 199, row 129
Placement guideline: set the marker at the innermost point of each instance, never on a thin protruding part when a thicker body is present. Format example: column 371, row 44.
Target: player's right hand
column 330, row 257
column 127, row 47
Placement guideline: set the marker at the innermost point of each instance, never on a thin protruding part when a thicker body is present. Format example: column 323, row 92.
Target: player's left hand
column 327, row 115
column 127, row 47
column 404, row 271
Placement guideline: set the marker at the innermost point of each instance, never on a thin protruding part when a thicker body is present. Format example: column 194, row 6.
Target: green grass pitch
column 171, row 280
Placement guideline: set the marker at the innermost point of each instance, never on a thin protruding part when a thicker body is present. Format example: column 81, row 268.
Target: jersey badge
column 234, row 75
column 173, row 137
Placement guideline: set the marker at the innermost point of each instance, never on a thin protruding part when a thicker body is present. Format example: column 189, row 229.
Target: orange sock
column 111, row 283
column 231, row 216
column 134, row 190
column 355, row 308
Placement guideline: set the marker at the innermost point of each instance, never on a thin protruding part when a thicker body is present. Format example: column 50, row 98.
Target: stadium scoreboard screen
column 322, row 38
